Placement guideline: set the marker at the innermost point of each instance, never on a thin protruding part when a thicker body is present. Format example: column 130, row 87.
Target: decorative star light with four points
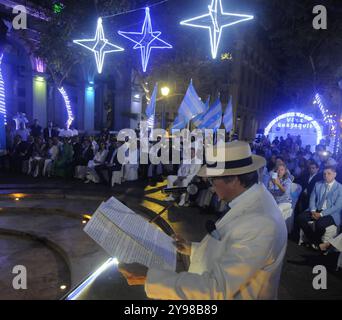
column 146, row 40
column 215, row 21
column 99, row 45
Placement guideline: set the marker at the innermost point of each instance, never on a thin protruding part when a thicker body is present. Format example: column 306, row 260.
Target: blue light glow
column 327, row 118
column 67, row 106
column 146, row 40
column 298, row 115
column 2, row 94
column 99, row 45
column 215, row 21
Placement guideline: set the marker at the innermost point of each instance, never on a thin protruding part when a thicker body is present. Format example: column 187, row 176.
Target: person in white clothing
column 66, row 132
column 22, row 132
column 98, row 160
column 94, row 144
column 185, row 174
column 51, row 156
column 74, row 131
column 243, row 260
column 131, row 166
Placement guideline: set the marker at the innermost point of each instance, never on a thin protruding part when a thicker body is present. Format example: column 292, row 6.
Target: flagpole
column 189, row 120
column 189, row 130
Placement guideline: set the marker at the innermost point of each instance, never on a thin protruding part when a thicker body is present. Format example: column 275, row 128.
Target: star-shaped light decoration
column 146, row 40
column 215, row 21
column 99, row 45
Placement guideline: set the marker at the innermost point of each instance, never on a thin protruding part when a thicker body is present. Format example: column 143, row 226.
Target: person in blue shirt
column 279, row 186
column 325, row 207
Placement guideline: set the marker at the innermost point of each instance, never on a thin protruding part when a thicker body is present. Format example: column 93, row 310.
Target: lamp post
column 165, row 92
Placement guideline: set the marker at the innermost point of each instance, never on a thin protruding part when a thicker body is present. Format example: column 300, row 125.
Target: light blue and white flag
column 179, row 123
column 191, row 105
column 198, row 119
column 212, row 119
column 151, row 108
column 228, row 116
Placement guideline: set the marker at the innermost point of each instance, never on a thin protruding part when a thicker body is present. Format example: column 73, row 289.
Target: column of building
column 39, row 97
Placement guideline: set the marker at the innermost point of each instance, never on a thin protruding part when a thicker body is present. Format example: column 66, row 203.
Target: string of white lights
column 67, row 106
column 134, row 10
column 2, row 94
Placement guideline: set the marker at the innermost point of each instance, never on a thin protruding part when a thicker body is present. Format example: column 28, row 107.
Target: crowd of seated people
column 64, row 153
column 54, row 152
column 306, row 185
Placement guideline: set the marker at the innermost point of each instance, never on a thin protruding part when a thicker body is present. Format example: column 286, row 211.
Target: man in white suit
column 245, row 262
column 185, row 175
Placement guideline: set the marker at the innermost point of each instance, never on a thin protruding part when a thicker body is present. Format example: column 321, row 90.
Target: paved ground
column 66, row 199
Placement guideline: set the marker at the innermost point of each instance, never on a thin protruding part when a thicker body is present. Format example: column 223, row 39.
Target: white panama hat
column 235, row 159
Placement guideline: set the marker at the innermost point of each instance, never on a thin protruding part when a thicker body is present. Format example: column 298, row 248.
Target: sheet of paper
column 129, row 237
column 138, row 228
column 118, row 206
column 118, row 244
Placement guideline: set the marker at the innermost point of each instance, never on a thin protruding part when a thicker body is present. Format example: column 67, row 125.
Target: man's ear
column 235, row 181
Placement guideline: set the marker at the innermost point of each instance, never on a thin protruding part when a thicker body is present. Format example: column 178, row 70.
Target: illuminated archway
column 296, row 122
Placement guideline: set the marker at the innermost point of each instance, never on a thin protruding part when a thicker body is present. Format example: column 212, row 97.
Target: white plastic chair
column 339, row 262
column 288, row 214
column 117, row 176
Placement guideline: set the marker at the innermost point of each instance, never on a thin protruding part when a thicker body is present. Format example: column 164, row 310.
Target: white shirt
column 95, row 146
column 100, row 156
column 186, row 170
column 53, row 152
column 49, row 132
column 65, row 133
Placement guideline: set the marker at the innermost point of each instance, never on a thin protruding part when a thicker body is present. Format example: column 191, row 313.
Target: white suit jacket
column 189, row 171
column 245, row 264
column 337, row 242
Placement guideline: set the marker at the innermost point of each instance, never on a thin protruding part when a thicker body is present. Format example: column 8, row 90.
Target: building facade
column 254, row 87
column 97, row 101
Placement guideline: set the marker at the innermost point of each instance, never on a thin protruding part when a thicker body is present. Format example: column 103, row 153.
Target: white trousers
column 117, row 176
column 171, row 180
column 337, row 242
column 36, row 169
column 184, row 183
column 47, row 167
column 131, row 172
